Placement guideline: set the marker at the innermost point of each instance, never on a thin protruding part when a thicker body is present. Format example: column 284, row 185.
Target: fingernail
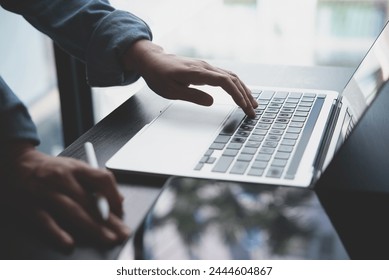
column 67, row 242
column 252, row 114
column 126, row 232
column 109, row 235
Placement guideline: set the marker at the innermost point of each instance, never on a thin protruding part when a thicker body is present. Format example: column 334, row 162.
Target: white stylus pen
column 101, row 202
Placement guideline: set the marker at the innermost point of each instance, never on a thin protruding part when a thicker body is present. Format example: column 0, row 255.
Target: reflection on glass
column 30, row 72
column 369, row 77
column 198, row 219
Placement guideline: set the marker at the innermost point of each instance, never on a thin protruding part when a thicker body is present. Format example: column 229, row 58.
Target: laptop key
column 266, row 150
column 266, row 94
column 298, row 119
column 235, row 146
column 279, row 126
column 211, row 160
column 255, row 172
column 292, row 136
column 293, row 130
column 222, row 139
column 285, row 115
column 249, row 121
column 233, row 122
column 246, row 127
column 269, row 115
column 274, row 172
column 287, row 110
column 306, row 104
column 288, row 142
column 286, row 149
column 204, row 159
column 272, row 110
column 282, row 155
column 282, row 120
column 259, row 164
column 199, row 166
column 276, row 131
column 301, row 114
column 263, row 157
column 271, row 144
column 263, row 126
column 281, row 94
column 256, row 138
column 242, row 133
column 217, row 146
column 223, row 164
column 296, row 124
column 249, row 151
column 273, row 138
column 238, row 140
column 259, row 132
column 253, row 144
column 295, row 95
column 230, row 152
column 275, row 105
column 239, row 167
column 245, row 157
column 304, row 109
column 293, row 100
column 278, row 100
column 290, row 105
column 264, row 120
column 279, row 162
column 308, row 99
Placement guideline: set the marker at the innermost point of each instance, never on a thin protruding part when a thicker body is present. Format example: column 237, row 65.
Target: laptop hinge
column 326, row 139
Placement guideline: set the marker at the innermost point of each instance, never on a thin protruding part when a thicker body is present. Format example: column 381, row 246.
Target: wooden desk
column 117, row 128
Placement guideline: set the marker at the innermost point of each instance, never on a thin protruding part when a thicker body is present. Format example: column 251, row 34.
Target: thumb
column 195, row 96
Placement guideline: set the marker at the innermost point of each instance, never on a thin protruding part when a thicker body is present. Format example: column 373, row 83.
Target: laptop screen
column 367, row 80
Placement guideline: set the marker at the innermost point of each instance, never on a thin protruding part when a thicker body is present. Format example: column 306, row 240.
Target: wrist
column 13, row 159
column 137, row 57
column 18, row 149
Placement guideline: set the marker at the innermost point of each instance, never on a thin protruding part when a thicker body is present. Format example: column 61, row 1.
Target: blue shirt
column 90, row 30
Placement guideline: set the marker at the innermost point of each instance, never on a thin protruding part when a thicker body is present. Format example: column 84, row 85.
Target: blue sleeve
column 15, row 122
column 91, row 30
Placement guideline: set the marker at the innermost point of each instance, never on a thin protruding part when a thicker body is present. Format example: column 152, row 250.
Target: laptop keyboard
column 273, row 143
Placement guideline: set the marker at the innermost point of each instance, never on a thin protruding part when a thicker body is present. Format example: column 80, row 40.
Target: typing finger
column 214, row 78
column 253, row 102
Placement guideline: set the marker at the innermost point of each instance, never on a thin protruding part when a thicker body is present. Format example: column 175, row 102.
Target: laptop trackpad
column 174, row 141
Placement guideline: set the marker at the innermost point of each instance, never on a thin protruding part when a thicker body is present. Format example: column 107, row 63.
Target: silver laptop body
column 290, row 142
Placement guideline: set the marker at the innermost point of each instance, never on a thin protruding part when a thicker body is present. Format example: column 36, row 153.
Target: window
column 27, row 65
column 288, row 32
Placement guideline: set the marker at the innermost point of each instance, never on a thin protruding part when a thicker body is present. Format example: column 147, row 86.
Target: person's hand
column 170, row 76
column 55, row 195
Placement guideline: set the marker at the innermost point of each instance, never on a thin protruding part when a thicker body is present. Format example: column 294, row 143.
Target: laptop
column 290, row 142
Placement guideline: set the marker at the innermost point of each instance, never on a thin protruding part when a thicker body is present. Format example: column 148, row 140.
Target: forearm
column 15, row 123
column 91, row 30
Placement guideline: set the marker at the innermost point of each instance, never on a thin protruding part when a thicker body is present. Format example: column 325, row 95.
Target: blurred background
column 285, row 32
